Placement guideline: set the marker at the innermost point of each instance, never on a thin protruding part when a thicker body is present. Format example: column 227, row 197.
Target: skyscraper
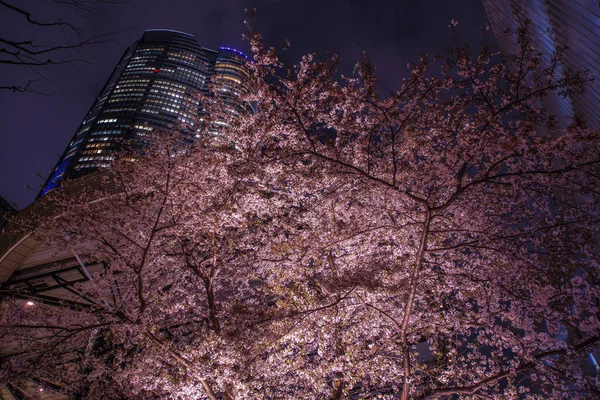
column 573, row 25
column 155, row 86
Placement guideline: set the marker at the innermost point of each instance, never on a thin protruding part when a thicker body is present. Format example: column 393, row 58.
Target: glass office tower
column 154, row 87
column 574, row 26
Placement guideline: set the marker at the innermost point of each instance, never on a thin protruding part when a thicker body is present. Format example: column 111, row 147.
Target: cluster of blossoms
column 430, row 244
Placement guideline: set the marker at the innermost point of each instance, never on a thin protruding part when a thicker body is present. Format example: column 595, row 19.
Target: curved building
column 231, row 77
column 154, row 87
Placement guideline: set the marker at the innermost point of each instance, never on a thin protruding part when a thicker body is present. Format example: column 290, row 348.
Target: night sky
column 36, row 128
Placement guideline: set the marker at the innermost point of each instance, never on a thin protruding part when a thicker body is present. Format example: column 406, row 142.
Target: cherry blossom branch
column 474, row 388
column 184, row 362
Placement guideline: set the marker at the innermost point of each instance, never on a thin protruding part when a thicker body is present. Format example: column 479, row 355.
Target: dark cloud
column 35, row 129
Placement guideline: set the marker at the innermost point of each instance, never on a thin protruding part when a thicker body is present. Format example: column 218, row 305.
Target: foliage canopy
column 429, row 244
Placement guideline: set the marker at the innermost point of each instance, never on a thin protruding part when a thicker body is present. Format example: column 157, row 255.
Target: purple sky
column 35, row 129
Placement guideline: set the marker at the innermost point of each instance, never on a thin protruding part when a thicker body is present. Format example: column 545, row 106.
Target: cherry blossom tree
column 180, row 262
column 429, row 244
column 437, row 215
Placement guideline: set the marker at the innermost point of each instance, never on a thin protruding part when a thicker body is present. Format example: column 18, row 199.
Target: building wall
column 6, row 210
column 571, row 24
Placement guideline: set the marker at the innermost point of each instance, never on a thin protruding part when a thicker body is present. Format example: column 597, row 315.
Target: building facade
column 158, row 85
column 571, row 25
column 6, row 210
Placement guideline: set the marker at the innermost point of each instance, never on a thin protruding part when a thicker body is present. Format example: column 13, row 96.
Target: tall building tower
column 155, row 86
column 570, row 24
